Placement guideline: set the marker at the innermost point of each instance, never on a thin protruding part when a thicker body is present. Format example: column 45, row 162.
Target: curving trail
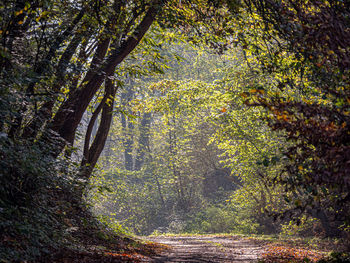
column 213, row 249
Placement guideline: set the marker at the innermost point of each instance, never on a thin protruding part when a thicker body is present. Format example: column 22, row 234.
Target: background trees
column 203, row 145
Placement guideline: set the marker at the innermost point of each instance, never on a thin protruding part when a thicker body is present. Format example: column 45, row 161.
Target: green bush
column 306, row 226
column 212, row 220
column 36, row 202
column 336, row 257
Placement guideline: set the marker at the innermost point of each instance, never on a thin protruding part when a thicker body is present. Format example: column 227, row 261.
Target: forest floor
column 240, row 249
column 208, row 249
column 197, row 249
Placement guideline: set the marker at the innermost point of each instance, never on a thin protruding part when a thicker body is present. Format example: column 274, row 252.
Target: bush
column 212, row 220
column 336, row 257
column 37, row 202
column 306, row 226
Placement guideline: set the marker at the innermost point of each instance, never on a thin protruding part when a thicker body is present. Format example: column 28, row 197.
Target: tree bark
column 90, row 127
column 70, row 113
column 128, row 128
column 93, row 153
column 45, row 111
column 127, row 142
column 143, row 140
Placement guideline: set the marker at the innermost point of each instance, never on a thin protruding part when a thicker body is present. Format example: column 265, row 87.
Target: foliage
column 58, row 59
column 304, row 227
column 316, row 120
column 336, row 257
column 213, row 219
column 201, row 142
column 30, row 224
column 197, row 127
column 287, row 254
column 178, row 162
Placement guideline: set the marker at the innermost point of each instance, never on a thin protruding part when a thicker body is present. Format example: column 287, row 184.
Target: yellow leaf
column 18, row 13
column 244, row 95
column 285, row 117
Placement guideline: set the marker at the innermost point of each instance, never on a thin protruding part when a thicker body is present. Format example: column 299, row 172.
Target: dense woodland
column 167, row 116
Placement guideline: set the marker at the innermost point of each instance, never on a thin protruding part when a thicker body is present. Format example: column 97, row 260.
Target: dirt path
column 208, row 249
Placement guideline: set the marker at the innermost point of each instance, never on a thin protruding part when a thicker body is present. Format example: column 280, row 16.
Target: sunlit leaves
column 284, row 254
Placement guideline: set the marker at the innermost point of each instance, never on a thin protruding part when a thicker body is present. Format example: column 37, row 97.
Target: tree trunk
column 128, row 128
column 90, row 129
column 93, row 153
column 45, row 111
column 70, row 113
column 127, row 142
column 143, row 140
column 40, row 69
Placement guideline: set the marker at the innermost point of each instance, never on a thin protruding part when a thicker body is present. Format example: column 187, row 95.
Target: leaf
column 266, row 162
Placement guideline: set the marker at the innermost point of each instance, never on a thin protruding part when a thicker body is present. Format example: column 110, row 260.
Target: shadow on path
column 214, row 249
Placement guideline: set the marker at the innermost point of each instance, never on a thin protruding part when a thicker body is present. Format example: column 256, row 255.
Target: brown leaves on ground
column 285, row 254
column 137, row 252
column 94, row 257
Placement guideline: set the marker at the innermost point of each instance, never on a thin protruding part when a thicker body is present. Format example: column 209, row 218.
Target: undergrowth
column 43, row 217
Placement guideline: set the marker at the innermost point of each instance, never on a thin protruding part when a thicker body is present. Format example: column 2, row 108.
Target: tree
column 57, row 58
column 302, row 49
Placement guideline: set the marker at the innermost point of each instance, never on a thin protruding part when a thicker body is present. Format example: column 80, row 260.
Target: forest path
column 214, row 249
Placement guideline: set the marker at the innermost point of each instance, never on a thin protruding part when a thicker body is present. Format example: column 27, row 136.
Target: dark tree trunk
column 45, row 111
column 128, row 128
column 143, row 140
column 41, row 69
column 66, row 107
column 94, row 151
column 127, row 142
column 330, row 230
column 90, row 129
column 70, row 113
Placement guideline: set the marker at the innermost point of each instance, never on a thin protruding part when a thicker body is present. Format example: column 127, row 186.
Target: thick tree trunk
column 93, row 153
column 70, row 113
column 66, row 107
column 330, row 230
column 90, row 128
column 45, row 111
column 40, row 69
